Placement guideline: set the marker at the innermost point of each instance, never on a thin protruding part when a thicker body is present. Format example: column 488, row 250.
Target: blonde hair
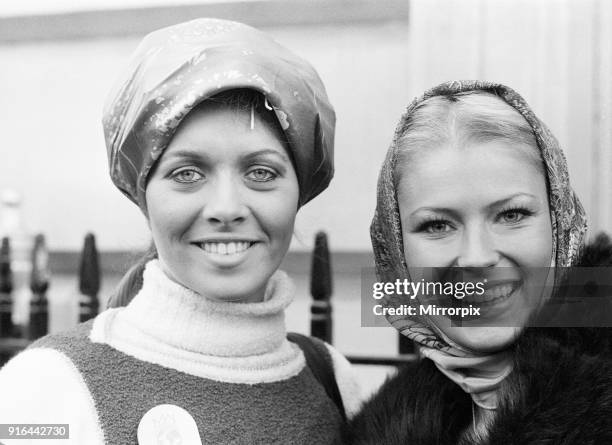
column 461, row 119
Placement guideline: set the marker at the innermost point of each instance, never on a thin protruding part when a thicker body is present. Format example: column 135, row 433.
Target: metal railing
column 321, row 313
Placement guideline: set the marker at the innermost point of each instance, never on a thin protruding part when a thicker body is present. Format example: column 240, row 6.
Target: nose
column 224, row 203
column 478, row 249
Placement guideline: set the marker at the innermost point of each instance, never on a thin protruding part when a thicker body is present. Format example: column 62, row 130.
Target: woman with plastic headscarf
column 475, row 186
column 219, row 134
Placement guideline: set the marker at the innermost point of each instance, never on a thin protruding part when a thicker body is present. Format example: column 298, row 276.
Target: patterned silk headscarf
column 568, row 227
column 176, row 68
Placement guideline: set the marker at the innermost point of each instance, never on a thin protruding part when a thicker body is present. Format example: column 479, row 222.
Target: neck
column 482, row 419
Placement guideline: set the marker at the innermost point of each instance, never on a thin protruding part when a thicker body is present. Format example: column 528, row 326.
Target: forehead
column 449, row 175
column 211, row 126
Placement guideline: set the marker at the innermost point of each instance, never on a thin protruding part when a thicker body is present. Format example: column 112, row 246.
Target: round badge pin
column 168, row 425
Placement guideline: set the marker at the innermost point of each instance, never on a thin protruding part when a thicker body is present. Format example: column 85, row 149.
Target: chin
column 483, row 339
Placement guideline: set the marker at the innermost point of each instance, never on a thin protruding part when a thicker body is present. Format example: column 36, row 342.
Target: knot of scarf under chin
column 479, row 376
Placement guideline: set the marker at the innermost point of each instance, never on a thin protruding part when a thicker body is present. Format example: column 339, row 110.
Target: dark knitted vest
column 123, row 388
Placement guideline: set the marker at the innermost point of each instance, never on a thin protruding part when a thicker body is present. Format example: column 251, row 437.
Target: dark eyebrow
column 199, row 155
column 444, row 210
column 267, row 151
column 194, row 155
column 493, row 205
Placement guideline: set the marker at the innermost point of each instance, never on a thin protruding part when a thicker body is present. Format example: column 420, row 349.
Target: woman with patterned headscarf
column 219, row 134
column 475, row 188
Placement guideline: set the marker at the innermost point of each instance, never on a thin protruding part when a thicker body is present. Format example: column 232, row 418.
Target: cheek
column 413, row 251
column 543, row 249
column 161, row 230
column 532, row 247
column 420, row 252
column 541, row 255
column 280, row 220
column 278, row 212
column 275, row 215
column 168, row 217
column 156, row 215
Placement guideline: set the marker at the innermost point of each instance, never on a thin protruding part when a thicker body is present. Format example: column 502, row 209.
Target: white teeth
column 503, row 290
column 229, row 248
column 492, row 293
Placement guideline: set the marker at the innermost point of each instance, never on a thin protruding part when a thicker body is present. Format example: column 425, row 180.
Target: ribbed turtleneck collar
column 171, row 325
column 182, row 318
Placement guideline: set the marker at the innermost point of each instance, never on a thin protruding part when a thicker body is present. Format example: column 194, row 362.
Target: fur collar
column 559, row 393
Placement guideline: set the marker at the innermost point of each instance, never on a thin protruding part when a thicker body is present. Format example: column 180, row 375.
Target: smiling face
column 222, row 203
column 484, row 207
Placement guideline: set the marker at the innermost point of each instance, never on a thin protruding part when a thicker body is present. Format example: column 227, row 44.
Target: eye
column 435, row 227
column 261, row 174
column 514, row 215
column 186, row 175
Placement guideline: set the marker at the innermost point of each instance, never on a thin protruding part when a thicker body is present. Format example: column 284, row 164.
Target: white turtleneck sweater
column 168, row 325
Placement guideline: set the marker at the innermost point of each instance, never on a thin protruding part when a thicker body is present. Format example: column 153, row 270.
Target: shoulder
column 561, row 388
column 396, row 391
column 42, row 385
column 416, row 405
column 332, row 367
column 347, row 381
column 41, row 372
column 76, row 334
